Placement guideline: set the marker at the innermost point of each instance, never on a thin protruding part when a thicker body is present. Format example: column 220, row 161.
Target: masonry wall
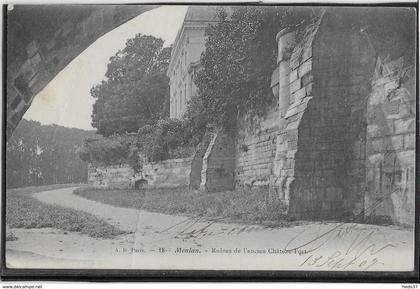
column 115, row 176
column 167, row 174
column 255, row 149
column 322, row 147
column 391, row 128
column 218, row 167
column 299, row 93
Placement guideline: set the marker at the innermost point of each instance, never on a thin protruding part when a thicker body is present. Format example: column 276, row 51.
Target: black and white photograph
column 210, row 137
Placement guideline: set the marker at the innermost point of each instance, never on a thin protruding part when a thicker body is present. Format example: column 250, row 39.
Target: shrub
column 239, row 59
column 195, row 121
column 108, row 151
column 156, row 142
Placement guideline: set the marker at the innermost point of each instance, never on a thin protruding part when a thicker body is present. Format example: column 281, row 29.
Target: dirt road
column 162, row 241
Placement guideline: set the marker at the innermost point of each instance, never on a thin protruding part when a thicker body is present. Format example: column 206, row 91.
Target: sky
column 66, row 99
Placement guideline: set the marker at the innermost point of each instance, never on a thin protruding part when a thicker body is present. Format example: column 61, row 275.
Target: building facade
column 185, row 58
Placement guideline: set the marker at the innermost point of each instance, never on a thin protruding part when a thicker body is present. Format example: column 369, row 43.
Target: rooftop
column 201, row 13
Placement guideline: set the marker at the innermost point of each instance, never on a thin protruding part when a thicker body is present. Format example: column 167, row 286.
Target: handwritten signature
column 198, row 227
column 362, row 253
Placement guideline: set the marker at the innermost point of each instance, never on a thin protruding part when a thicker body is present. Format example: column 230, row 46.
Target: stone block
column 409, row 141
column 397, row 142
column 28, row 70
column 305, row 67
column 295, row 85
column 375, row 130
column 293, row 75
column 406, row 158
column 404, row 125
column 407, row 109
column 32, row 48
column 392, row 66
column 275, row 77
column 299, row 94
column 307, row 78
column 33, row 81
column 36, row 59
column 307, row 53
column 292, row 145
column 376, row 145
column 309, row 89
column 294, row 62
column 392, row 107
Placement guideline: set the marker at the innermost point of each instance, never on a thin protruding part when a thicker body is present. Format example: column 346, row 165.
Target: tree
column 135, row 91
column 45, row 154
column 239, row 59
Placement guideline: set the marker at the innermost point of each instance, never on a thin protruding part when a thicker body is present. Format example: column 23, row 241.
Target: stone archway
column 43, row 39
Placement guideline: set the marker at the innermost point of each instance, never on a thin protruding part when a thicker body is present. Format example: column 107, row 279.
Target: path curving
column 124, row 218
column 164, row 241
column 127, row 219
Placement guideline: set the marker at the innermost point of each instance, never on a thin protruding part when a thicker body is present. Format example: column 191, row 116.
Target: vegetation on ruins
column 237, row 65
column 109, row 150
column 239, row 59
column 136, row 89
column 164, row 140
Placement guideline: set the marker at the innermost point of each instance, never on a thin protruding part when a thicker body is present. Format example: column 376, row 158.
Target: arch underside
column 41, row 40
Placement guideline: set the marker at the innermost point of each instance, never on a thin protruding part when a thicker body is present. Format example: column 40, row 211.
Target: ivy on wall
column 239, row 59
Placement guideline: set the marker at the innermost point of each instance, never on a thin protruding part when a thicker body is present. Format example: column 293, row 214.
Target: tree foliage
column 239, row 59
column 109, row 150
column 45, row 154
column 165, row 140
column 136, row 88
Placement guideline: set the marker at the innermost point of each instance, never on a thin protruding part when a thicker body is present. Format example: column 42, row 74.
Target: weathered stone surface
column 255, row 149
column 171, row 173
column 217, row 173
column 390, row 167
column 166, row 174
column 116, row 176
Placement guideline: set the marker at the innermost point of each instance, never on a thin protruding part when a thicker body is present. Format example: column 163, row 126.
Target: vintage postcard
column 210, row 137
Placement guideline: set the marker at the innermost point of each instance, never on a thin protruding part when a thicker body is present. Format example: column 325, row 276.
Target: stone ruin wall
column 339, row 142
column 331, row 138
column 344, row 146
column 391, row 138
column 255, row 150
column 115, row 176
column 171, row 173
column 209, row 169
column 165, row 174
column 218, row 165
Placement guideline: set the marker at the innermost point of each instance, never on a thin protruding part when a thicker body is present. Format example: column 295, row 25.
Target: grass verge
column 24, row 211
column 250, row 207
